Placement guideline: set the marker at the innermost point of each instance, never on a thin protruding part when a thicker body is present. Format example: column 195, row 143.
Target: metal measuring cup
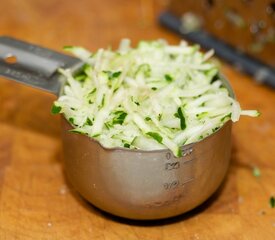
column 133, row 184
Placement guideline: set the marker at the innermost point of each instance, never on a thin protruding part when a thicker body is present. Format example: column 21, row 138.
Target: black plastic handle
column 34, row 65
column 262, row 73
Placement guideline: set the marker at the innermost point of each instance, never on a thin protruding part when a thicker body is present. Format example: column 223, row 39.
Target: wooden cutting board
column 37, row 202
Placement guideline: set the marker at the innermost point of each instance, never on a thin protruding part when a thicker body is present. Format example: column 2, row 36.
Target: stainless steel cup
column 133, row 184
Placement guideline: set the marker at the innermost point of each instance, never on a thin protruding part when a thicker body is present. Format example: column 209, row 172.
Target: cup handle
column 34, row 65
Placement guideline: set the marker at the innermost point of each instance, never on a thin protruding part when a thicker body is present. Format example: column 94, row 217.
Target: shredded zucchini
column 151, row 97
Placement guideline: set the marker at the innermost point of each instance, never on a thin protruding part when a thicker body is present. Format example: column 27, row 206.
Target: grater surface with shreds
column 242, row 32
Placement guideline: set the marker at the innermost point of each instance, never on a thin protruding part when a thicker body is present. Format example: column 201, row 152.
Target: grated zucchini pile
column 154, row 96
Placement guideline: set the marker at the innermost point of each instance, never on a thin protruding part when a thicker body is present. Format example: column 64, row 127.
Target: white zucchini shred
column 155, row 96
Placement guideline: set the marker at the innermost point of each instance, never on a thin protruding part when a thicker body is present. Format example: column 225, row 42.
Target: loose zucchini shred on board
column 154, row 96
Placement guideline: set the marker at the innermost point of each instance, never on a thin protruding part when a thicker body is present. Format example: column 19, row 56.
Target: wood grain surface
column 36, row 201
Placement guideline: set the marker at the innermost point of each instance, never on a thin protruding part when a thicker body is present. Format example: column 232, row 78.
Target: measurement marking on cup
column 167, row 202
column 172, row 165
column 188, row 160
column 175, row 197
column 179, row 171
column 187, row 181
column 177, row 165
column 187, row 151
column 175, row 184
column 168, row 156
column 171, row 185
